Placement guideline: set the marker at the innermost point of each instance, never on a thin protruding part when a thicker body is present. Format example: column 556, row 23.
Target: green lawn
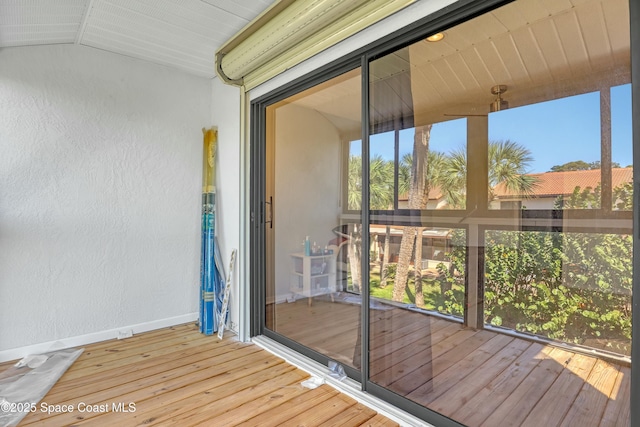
column 433, row 298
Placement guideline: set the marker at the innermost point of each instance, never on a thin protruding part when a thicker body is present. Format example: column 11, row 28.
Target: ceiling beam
column 83, row 23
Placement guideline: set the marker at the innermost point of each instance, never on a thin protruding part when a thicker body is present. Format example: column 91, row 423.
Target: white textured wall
column 100, row 182
column 226, row 115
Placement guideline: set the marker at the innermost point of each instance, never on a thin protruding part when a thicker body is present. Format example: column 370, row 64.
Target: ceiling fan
column 471, row 110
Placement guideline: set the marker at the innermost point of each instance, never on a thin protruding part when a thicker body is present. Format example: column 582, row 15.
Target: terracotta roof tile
column 557, row 183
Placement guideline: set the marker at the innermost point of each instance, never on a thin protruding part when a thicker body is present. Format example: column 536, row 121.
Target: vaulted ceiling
column 180, row 34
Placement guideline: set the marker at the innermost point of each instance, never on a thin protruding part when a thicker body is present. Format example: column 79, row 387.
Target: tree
column 589, row 198
column 508, row 162
column 623, row 197
column 435, row 174
column 380, row 196
column 580, row 165
column 418, row 197
column 570, row 286
column 380, row 183
column 580, row 198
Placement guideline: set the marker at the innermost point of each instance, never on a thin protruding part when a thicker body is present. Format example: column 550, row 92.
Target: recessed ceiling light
column 435, row 37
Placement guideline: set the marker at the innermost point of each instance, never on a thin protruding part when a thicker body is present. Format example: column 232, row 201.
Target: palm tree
column 380, row 197
column 454, row 180
column 380, row 183
column 354, row 183
column 508, row 162
column 436, row 172
column 418, row 197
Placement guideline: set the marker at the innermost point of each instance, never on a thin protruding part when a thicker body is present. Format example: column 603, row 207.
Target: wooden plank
column 176, row 384
column 228, row 411
column 331, row 336
column 107, row 355
column 308, row 326
column 149, row 366
column 115, row 344
column 145, row 337
column 397, row 337
column 198, row 404
column 322, row 411
column 401, row 324
column 456, row 396
column 379, row 421
column 395, row 364
column 275, row 412
column 398, row 343
column 312, row 324
column 134, row 358
column 618, row 411
column 391, row 349
column 516, row 405
column 158, row 335
column 448, row 373
column 310, row 329
column 588, row 408
column 141, row 376
column 357, row 415
column 406, row 375
column 178, row 378
column 554, row 405
column 162, row 383
column 490, row 398
column 108, row 348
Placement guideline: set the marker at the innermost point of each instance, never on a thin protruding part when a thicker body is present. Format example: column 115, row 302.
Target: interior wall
column 226, row 116
column 100, row 173
column 307, row 186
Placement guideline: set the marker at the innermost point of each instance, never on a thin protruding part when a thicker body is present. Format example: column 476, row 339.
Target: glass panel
column 314, row 245
column 621, row 148
column 570, row 287
column 435, row 278
column 526, row 318
column 381, row 182
column 546, row 155
column 445, row 167
column 353, row 201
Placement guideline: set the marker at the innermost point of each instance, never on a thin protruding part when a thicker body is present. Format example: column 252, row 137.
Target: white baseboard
column 80, row 340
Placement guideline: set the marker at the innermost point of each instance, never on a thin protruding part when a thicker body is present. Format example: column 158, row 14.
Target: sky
column 556, row 132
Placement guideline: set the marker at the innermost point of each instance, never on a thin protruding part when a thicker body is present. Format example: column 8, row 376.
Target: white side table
column 313, row 275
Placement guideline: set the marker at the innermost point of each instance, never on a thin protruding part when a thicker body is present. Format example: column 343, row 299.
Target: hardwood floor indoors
column 177, row 376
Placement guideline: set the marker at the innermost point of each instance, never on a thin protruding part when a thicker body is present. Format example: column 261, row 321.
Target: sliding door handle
column 269, row 212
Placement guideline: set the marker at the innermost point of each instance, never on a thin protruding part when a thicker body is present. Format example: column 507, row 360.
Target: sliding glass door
column 501, row 292
column 313, row 250
column 452, row 222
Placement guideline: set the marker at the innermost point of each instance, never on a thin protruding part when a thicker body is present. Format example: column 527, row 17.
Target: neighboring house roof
column 553, row 184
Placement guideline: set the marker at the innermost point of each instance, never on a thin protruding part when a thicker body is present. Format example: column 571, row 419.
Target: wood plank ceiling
column 540, row 49
column 179, row 34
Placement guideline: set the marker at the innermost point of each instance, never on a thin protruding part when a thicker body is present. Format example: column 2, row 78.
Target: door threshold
column 348, row 386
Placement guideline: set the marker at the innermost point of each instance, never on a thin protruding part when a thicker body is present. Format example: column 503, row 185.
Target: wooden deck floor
column 176, row 376
column 477, row 377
